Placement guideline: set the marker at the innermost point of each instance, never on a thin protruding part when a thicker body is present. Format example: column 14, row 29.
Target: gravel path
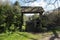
column 45, row 36
column 49, row 38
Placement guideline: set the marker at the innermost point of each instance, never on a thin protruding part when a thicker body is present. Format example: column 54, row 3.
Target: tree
column 10, row 15
column 53, row 23
column 28, row 1
column 18, row 15
column 2, row 19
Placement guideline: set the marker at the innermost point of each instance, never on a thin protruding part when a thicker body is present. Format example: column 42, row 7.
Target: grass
column 23, row 36
column 18, row 36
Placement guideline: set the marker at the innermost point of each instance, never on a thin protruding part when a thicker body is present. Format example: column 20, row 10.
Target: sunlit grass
column 23, row 36
column 18, row 36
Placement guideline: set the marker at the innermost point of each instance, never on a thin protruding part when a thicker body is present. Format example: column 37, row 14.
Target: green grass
column 18, row 36
column 23, row 36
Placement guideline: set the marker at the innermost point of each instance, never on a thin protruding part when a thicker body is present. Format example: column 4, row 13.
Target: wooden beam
column 29, row 9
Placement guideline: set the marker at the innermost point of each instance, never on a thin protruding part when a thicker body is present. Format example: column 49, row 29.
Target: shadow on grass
column 55, row 35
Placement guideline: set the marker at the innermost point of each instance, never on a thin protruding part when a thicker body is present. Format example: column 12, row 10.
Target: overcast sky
column 42, row 3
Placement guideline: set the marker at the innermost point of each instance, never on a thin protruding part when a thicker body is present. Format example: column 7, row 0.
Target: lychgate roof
column 29, row 9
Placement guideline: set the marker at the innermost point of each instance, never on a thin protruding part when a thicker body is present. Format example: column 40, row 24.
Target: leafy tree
column 18, row 16
column 10, row 15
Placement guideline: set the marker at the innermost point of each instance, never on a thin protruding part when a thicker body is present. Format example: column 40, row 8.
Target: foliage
column 48, row 21
column 10, row 15
column 11, row 19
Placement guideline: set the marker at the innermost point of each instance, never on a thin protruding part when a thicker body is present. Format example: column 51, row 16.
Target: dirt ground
column 47, row 36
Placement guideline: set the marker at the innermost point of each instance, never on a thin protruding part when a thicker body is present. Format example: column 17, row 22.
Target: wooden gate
column 29, row 9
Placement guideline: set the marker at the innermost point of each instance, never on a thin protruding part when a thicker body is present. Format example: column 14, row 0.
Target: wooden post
column 22, row 18
column 40, row 18
column 21, row 22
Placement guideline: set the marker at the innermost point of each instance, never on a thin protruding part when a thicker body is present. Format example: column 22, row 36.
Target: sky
column 42, row 3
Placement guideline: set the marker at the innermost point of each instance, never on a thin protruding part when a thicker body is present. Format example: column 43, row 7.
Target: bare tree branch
column 49, row 3
column 28, row 1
